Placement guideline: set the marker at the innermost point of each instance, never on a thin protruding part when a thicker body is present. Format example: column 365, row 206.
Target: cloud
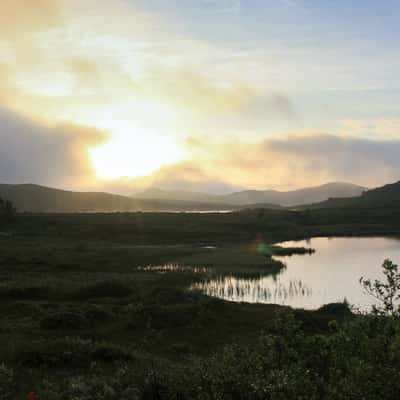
column 133, row 73
column 322, row 157
column 21, row 16
column 58, row 155
column 192, row 90
column 72, row 60
column 383, row 127
column 38, row 153
column 295, row 161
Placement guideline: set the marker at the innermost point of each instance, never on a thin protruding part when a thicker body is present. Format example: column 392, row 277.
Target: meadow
column 99, row 307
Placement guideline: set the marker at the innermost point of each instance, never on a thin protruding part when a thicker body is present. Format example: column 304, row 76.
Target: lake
column 331, row 274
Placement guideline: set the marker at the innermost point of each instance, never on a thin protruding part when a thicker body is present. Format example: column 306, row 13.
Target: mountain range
column 247, row 197
column 35, row 198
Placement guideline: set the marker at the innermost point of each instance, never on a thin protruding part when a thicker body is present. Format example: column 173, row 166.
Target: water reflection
column 261, row 290
column 164, row 268
column 331, row 274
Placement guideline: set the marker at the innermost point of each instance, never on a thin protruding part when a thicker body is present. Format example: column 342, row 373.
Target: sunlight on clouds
column 149, row 82
column 134, row 155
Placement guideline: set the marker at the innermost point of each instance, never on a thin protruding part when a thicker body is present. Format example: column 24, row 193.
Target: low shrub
column 64, row 320
column 7, row 383
column 338, row 309
column 113, row 288
column 27, row 293
column 70, row 352
column 163, row 317
column 95, row 313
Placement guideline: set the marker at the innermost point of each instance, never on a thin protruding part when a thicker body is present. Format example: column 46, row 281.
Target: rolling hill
column 387, row 196
column 183, row 195
column 35, row 198
column 243, row 198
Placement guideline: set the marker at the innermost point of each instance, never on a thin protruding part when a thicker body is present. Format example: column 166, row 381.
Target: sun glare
column 127, row 156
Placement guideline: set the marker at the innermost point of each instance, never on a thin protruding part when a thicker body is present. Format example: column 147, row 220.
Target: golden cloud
column 19, row 17
column 296, row 161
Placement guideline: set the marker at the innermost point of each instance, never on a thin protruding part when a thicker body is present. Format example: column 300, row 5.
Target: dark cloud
column 362, row 160
column 52, row 155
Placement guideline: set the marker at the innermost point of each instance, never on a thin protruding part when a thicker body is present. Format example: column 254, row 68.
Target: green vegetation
column 388, row 292
column 351, row 357
column 7, row 211
column 89, row 311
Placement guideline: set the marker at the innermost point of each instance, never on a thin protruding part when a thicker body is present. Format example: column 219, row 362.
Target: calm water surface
column 329, row 275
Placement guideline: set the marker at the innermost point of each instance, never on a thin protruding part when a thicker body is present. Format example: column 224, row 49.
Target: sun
column 134, row 155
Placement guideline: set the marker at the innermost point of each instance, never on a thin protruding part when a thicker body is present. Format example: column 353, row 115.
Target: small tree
column 387, row 292
column 7, row 210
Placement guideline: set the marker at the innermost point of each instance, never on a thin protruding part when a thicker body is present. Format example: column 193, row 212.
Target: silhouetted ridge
column 385, row 196
column 286, row 199
column 35, row 198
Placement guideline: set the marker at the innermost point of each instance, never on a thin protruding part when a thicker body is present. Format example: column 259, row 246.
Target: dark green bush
column 69, row 352
column 95, row 313
column 115, row 289
column 24, row 309
column 163, row 317
column 172, row 296
column 64, row 320
column 336, row 309
column 27, row 293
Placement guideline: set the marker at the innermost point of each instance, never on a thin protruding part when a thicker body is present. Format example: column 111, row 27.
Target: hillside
column 183, row 195
column 35, row 198
column 386, row 196
column 246, row 197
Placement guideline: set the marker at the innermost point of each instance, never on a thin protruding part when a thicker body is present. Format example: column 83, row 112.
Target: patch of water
column 331, row 274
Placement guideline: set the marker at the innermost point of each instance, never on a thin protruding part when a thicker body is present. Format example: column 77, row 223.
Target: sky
column 203, row 95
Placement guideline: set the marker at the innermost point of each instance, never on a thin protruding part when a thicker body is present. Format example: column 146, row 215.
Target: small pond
column 331, row 274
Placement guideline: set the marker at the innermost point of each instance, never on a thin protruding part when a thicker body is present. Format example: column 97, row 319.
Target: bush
column 163, row 317
column 7, row 210
column 94, row 313
column 27, row 293
column 172, row 296
column 64, row 320
column 22, row 309
column 360, row 359
column 70, row 352
column 7, row 383
column 338, row 309
column 114, row 289
column 81, row 248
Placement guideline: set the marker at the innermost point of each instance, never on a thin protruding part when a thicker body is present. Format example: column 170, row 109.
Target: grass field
column 84, row 290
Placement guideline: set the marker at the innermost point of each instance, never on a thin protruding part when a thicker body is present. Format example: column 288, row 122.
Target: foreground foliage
column 357, row 360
